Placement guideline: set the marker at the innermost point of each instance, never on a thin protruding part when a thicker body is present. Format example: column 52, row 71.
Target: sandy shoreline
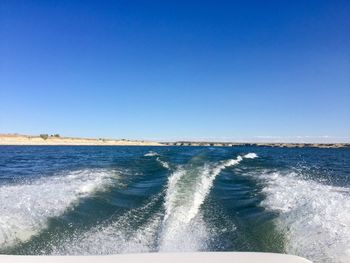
column 14, row 139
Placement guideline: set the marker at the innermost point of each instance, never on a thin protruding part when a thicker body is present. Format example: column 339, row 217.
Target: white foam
column 116, row 238
column 314, row 217
column 183, row 226
column 120, row 236
column 251, row 156
column 151, row 153
column 180, row 228
column 26, row 207
column 163, row 163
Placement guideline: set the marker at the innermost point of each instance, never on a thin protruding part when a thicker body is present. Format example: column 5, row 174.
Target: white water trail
column 27, row 206
column 151, row 153
column 250, row 156
column 314, row 217
column 180, row 228
column 163, row 163
column 183, row 226
column 132, row 232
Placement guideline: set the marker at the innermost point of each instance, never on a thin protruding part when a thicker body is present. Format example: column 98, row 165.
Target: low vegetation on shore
column 57, row 139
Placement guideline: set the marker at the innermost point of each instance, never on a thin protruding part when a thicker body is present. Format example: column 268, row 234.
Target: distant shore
column 45, row 139
column 261, row 144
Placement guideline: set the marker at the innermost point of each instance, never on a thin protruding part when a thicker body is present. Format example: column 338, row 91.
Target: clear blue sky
column 176, row 69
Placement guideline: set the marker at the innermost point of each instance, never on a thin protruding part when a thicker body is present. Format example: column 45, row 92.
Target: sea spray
column 117, row 235
column 314, row 217
column 27, row 206
column 290, row 200
column 183, row 227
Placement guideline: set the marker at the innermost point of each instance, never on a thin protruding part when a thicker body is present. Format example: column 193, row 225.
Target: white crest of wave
column 183, row 226
column 151, row 153
column 314, row 216
column 163, row 163
column 26, row 207
column 251, row 155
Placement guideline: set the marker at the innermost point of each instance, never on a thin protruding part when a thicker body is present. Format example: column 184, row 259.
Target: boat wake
column 183, row 227
column 151, row 153
column 314, row 217
column 170, row 221
column 118, row 235
column 27, row 206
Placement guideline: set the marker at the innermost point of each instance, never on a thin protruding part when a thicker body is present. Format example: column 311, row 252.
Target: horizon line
column 323, row 139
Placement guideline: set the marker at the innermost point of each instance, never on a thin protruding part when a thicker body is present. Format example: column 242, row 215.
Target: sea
column 100, row 200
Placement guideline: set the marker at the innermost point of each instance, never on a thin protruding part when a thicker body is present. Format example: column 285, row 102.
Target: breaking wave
column 27, row 206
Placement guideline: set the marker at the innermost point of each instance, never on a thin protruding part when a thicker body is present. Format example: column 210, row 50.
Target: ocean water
column 78, row 200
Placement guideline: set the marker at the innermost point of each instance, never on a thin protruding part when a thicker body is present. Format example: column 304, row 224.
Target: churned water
column 76, row 200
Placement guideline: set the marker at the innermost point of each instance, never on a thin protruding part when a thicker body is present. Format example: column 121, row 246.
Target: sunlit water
column 107, row 200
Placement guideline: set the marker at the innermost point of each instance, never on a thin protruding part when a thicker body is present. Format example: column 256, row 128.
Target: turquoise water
column 106, row 200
